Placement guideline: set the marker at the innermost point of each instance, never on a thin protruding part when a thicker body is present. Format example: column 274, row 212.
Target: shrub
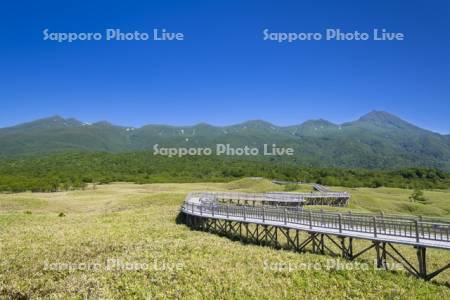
column 417, row 196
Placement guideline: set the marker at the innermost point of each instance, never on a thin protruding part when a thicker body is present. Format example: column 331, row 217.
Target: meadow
column 121, row 240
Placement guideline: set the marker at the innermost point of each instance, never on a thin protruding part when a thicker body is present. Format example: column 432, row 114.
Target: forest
column 75, row 170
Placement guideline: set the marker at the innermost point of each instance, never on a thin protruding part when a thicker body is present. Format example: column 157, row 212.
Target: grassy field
column 121, row 241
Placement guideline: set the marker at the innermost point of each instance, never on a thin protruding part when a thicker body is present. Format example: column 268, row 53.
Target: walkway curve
column 210, row 210
column 393, row 228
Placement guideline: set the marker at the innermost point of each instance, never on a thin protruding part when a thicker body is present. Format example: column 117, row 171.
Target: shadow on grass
column 180, row 218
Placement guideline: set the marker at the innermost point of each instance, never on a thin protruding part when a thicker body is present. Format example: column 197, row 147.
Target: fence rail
column 410, row 227
column 275, row 197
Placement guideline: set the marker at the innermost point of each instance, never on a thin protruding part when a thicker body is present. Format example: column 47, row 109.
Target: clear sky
column 224, row 72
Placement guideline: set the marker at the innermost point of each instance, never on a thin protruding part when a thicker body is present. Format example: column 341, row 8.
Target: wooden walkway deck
column 276, row 198
column 381, row 230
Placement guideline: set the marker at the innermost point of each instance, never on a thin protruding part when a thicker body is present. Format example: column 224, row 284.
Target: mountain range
column 377, row 140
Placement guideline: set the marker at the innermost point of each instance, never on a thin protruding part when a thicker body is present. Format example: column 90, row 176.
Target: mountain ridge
column 375, row 140
column 372, row 116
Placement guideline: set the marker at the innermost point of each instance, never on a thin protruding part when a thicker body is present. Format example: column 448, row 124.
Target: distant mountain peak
column 54, row 118
column 384, row 119
column 55, row 121
column 379, row 115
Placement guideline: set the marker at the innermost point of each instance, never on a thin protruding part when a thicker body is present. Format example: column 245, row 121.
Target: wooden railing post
column 228, row 211
column 416, row 223
column 243, row 212
column 212, row 209
column 340, row 223
column 350, row 219
column 421, row 225
column 374, row 226
column 201, row 210
column 263, row 214
column 285, row 216
column 310, row 219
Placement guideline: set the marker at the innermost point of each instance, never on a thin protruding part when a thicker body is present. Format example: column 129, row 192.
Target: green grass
column 136, row 224
column 394, row 200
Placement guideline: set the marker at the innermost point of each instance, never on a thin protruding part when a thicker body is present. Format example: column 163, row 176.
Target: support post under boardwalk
column 422, row 258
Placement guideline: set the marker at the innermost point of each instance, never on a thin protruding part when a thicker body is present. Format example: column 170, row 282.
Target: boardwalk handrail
column 261, row 223
column 260, row 197
column 404, row 229
column 257, row 196
column 270, row 197
column 311, row 194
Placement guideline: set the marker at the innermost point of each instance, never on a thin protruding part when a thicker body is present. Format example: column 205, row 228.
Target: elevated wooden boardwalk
column 320, row 188
column 276, row 198
column 206, row 211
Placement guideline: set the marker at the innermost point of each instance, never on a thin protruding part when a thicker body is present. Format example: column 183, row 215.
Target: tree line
column 66, row 171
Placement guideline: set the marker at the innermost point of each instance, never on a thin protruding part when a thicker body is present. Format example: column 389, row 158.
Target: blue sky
column 224, row 72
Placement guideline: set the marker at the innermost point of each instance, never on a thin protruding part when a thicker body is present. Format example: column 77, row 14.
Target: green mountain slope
column 376, row 140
